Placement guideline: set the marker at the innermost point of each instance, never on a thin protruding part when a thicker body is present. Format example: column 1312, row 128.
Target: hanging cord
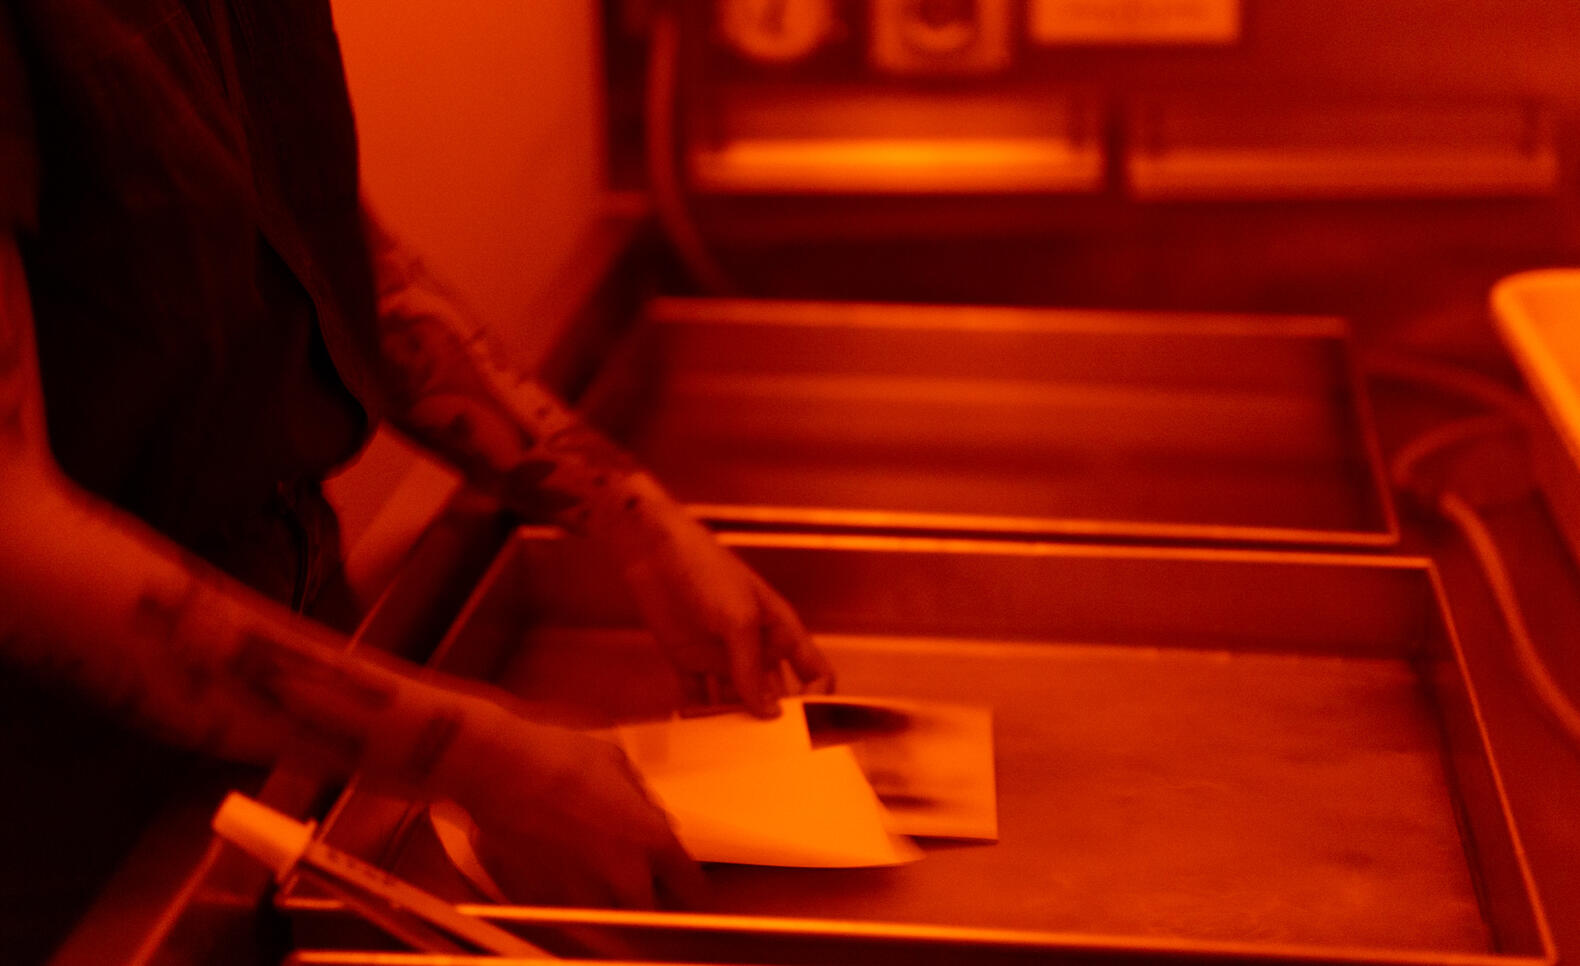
column 1511, row 410
column 1402, row 468
column 1451, row 379
column 1528, row 660
column 663, row 175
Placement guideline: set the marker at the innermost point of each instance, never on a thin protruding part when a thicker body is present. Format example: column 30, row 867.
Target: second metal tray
column 1001, row 421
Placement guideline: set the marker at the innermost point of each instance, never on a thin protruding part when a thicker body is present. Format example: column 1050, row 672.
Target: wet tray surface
column 1197, row 751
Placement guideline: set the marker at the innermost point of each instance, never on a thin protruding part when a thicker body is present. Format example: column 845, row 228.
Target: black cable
column 663, row 175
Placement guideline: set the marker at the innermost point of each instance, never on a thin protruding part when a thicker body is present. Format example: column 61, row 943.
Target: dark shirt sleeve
column 18, row 154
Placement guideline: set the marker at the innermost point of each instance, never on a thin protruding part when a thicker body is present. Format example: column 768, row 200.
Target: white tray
column 1538, row 316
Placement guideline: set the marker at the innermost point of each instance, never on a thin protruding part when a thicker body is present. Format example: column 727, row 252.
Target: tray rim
column 933, row 316
column 766, row 515
column 1068, row 942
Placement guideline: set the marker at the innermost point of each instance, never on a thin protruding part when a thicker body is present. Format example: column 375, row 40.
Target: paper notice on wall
column 1134, row 21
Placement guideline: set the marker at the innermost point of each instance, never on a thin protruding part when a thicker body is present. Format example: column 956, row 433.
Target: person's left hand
column 719, row 622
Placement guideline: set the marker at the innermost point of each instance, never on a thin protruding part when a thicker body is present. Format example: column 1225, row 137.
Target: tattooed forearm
column 198, row 670
column 594, row 450
column 192, row 667
column 95, row 603
column 503, row 431
column 498, row 455
column 286, row 677
column 159, row 619
column 231, row 667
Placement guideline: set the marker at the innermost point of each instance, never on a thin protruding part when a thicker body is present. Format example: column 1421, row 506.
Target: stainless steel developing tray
column 1201, row 753
column 1001, row 421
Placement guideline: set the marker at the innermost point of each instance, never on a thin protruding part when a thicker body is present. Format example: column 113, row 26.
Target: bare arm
column 452, row 392
column 98, row 601
column 93, row 600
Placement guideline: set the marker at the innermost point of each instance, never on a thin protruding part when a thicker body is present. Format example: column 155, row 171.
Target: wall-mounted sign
column 1134, row 21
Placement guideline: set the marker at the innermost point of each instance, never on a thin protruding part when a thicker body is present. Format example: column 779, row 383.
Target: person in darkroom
column 199, row 319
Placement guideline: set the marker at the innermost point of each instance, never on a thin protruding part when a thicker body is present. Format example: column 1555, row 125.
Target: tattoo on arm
column 281, row 675
column 157, row 638
column 457, row 398
column 160, row 619
column 220, row 674
column 229, row 682
column 602, row 457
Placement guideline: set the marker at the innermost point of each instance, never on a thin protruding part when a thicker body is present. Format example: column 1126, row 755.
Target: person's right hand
column 564, row 819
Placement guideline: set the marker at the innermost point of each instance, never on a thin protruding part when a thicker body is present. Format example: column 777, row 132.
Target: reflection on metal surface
column 1271, row 757
column 883, row 166
column 896, row 142
column 1008, row 421
column 1234, row 148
